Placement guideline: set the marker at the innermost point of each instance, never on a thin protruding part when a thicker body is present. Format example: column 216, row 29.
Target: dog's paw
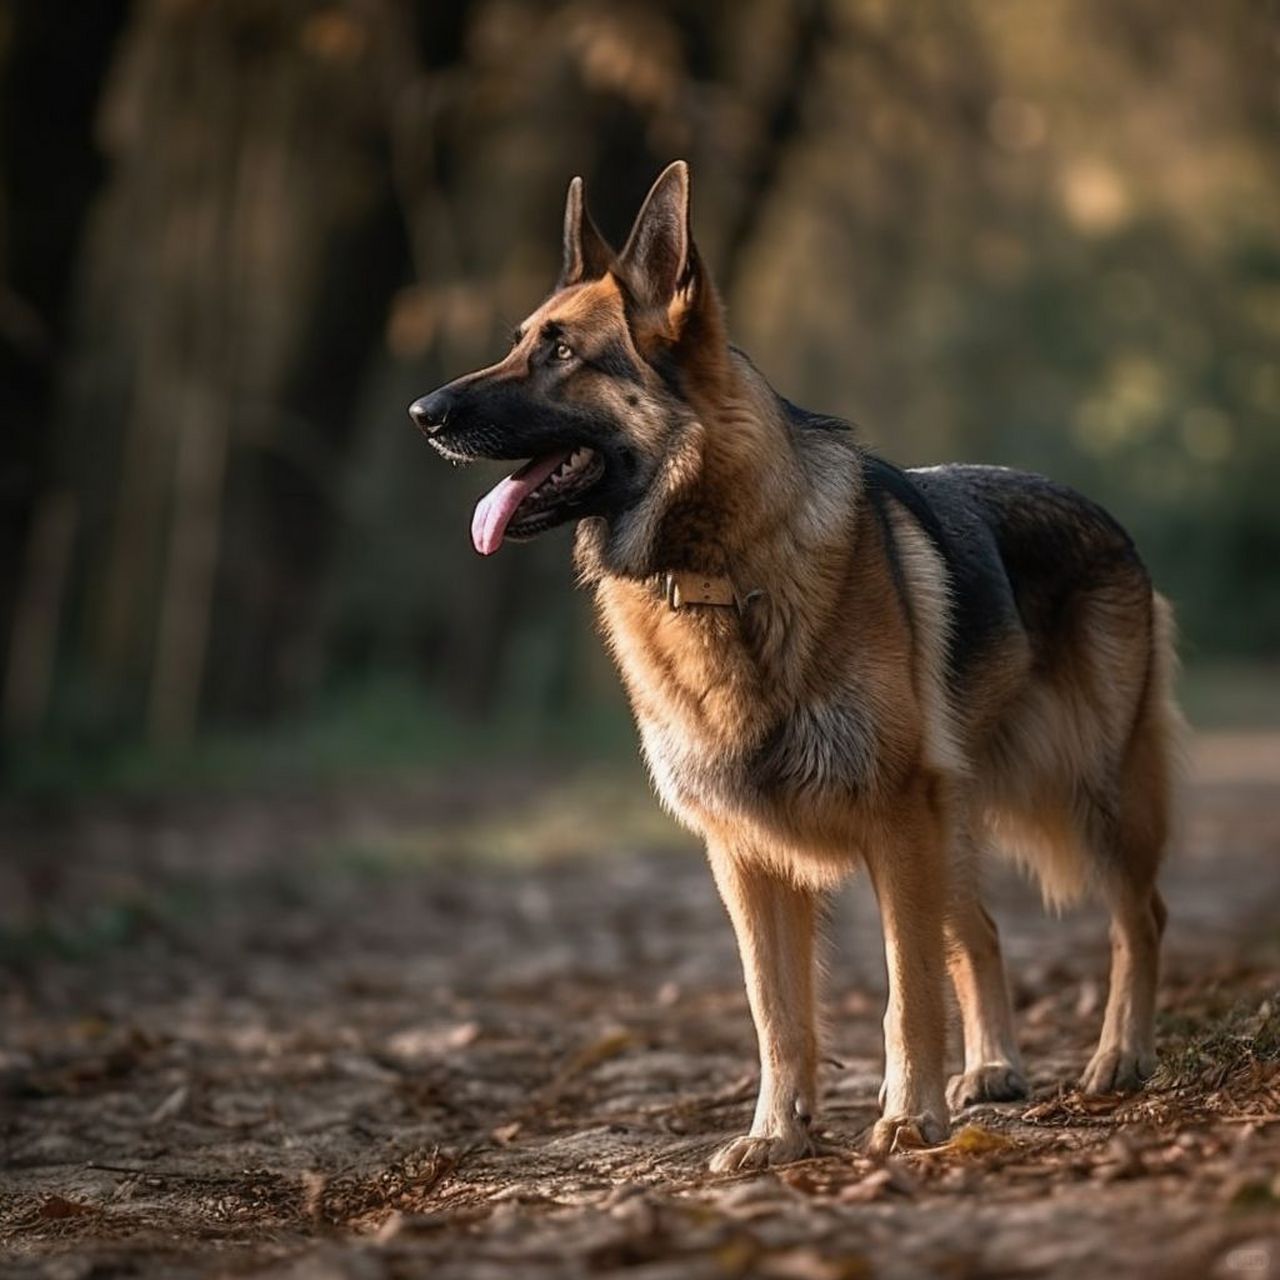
column 747, row 1153
column 991, row 1082
column 1117, row 1071
column 906, row 1133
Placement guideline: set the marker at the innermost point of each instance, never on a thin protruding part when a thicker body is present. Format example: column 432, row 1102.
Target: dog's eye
column 562, row 351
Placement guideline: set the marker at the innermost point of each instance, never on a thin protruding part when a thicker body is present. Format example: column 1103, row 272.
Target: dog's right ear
column 587, row 255
column 659, row 262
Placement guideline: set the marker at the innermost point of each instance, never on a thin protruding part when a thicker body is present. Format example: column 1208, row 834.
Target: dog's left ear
column 659, row 264
column 587, row 255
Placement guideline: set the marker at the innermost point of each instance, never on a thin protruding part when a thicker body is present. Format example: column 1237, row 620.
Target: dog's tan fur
column 818, row 728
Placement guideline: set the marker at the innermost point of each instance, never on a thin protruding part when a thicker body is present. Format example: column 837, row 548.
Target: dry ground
column 453, row 1031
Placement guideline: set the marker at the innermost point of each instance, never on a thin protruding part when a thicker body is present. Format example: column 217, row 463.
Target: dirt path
column 295, row 1037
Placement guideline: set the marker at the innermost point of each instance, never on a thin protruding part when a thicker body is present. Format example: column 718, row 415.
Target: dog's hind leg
column 992, row 1067
column 774, row 920
column 1125, row 1055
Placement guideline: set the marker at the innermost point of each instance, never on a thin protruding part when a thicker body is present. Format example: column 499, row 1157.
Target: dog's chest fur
column 785, row 729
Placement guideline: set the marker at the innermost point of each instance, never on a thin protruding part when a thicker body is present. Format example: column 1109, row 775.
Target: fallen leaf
column 56, row 1207
column 608, row 1046
column 421, row 1043
column 975, row 1140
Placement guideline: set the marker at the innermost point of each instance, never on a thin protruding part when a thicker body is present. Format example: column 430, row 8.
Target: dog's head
column 596, row 389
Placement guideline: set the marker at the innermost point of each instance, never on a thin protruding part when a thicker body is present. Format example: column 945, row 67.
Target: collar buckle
column 683, row 589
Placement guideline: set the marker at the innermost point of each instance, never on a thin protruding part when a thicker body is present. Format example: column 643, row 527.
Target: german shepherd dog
column 833, row 661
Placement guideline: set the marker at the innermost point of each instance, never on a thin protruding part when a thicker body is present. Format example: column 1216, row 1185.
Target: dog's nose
column 431, row 412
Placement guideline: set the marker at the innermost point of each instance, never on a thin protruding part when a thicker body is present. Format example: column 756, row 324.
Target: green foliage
column 379, row 730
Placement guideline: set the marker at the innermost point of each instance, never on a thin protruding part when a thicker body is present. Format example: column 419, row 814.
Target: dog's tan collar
column 682, row 589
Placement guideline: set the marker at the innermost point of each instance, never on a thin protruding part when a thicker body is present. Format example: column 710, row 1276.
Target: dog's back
column 1060, row 668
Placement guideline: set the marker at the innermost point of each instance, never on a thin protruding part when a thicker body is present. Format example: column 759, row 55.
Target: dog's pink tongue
column 494, row 511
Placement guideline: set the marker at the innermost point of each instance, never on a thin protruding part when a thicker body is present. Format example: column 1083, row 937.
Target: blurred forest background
column 237, row 237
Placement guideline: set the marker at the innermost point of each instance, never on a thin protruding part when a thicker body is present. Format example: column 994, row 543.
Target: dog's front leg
column 774, row 922
column 909, row 870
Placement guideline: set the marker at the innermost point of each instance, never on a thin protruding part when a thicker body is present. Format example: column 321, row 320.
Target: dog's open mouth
column 535, row 497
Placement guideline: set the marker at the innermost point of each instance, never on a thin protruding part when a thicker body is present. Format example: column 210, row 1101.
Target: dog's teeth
column 567, row 473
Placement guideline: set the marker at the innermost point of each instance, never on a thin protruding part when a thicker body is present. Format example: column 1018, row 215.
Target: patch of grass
column 165, row 907
column 594, row 810
column 386, row 728
column 1209, row 1053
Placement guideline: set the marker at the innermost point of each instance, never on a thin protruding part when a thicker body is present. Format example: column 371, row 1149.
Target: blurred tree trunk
column 53, row 57
column 238, row 276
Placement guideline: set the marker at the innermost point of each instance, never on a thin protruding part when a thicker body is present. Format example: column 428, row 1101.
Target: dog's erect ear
column 587, row 255
column 659, row 262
